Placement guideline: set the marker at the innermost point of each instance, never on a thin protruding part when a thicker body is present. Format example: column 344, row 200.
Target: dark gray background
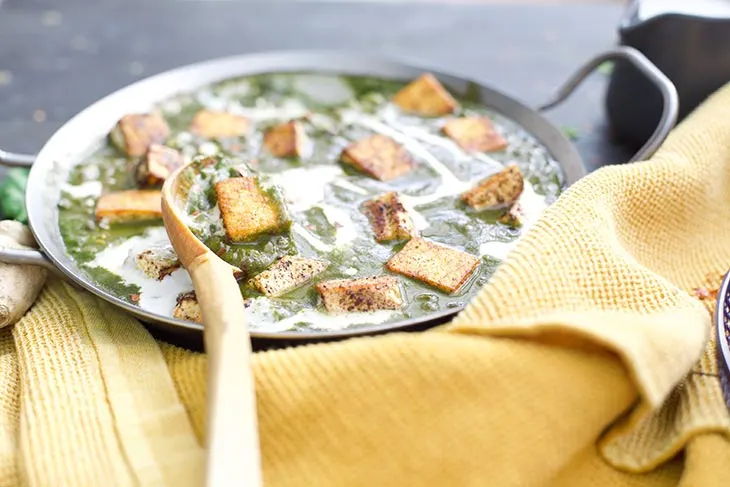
column 57, row 57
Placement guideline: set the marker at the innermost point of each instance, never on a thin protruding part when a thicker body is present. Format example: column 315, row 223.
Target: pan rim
column 344, row 62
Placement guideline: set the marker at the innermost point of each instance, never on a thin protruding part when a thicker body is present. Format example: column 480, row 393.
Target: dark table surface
column 56, row 57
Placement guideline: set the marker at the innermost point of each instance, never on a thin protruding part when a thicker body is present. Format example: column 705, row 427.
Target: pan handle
column 11, row 159
column 10, row 255
column 664, row 84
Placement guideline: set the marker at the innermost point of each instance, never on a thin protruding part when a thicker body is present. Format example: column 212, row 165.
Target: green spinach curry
column 345, row 201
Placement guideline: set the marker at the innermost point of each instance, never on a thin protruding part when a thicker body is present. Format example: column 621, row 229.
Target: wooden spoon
column 232, row 443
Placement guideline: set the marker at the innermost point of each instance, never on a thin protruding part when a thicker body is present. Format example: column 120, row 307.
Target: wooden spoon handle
column 233, row 452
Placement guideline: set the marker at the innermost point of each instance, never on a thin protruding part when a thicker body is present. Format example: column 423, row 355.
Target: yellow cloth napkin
column 584, row 362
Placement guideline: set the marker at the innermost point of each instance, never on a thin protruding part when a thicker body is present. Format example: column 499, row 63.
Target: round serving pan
column 84, row 132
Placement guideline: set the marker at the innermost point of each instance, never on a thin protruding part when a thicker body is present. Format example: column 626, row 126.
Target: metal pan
column 80, row 135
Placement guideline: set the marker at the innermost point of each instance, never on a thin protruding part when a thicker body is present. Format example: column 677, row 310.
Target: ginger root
column 19, row 284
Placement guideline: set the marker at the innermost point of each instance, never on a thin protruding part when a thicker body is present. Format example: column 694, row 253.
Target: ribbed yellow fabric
column 9, row 409
column 584, row 362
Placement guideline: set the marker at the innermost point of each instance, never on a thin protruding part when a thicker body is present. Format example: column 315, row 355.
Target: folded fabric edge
column 628, row 463
column 571, row 330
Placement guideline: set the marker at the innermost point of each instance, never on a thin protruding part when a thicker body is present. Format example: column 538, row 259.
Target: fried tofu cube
column 287, row 274
column 437, row 265
column 389, row 218
column 360, row 295
column 135, row 133
column 247, row 210
column 475, row 134
column 213, row 124
column 286, row 139
column 425, row 96
column 513, row 217
column 496, row 191
column 156, row 165
column 378, row 156
column 158, row 262
column 132, row 205
column 188, row 308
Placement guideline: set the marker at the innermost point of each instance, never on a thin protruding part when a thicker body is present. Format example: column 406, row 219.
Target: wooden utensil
column 233, row 453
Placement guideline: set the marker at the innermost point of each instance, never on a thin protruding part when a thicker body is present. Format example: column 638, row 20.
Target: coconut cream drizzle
column 156, row 296
column 390, row 117
column 84, row 190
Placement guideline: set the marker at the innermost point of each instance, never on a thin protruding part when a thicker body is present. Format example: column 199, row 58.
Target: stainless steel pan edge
column 83, row 133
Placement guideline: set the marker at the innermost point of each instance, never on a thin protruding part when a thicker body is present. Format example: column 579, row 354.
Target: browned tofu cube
column 157, row 164
column 213, row 124
column 379, row 156
column 436, row 265
column 360, row 295
column 389, row 219
column 135, row 133
column 158, row 262
column 188, row 308
column 287, row 274
column 513, row 217
column 132, row 205
column 425, row 96
column 475, row 134
column 496, row 191
column 286, row 139
column 247, row 210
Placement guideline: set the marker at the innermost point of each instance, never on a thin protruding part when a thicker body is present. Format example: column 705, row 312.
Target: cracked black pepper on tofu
column 187, row 308
column 287, row 274
column 389, row 218
column 437, row 265
column 497, row 190
column 361, row 295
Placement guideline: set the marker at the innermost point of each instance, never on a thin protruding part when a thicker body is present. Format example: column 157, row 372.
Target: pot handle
column 664, row 84
column 11, row 159
column 10, row 255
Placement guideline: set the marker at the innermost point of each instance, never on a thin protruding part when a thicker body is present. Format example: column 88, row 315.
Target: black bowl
column 722, row 328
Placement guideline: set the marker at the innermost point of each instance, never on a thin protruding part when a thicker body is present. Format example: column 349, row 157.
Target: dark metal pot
column 82, row 133
column 688, row 43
